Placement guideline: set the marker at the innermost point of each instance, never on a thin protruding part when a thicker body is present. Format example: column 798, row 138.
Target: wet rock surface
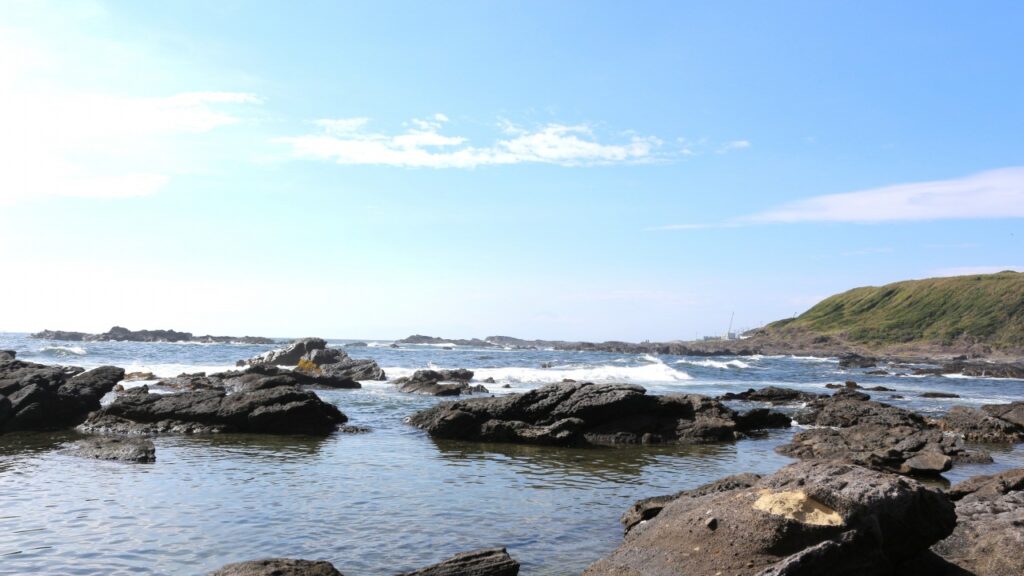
column 278, row 567
column 876, row 435
column 38, row 397
column 132, row 450
column 439, row 383
column 808, row 518
column 572, row 413
column 275, row 410
column 486, row 562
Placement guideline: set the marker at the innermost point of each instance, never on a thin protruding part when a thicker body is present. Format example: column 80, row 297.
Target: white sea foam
column 63, row 350
column 966, row 377
column 654, row 371
column 716, row 363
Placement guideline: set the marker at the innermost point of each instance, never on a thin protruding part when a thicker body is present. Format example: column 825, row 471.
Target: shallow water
column 392, row 499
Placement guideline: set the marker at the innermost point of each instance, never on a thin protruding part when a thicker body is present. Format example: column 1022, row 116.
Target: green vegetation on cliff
column 985, row 309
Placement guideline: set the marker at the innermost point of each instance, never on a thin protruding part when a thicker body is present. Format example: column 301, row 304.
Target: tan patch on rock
column 797, row 506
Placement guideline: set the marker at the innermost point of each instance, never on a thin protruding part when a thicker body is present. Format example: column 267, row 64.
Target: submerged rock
column 38, row 397
column 439, row 383
column 583, row 413
column 486, row 562
column 117, row 448
column 808, row 518
column 277, row 410
column 278, row 567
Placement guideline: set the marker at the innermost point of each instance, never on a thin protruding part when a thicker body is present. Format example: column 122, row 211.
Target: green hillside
column 985, row 309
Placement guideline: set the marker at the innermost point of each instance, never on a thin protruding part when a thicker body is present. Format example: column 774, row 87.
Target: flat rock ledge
column 848, row 426
column 277, row 410
column 132, row 450
column 312, row 357
column 485, row 562
column 579, row 414
column 808, row 518
column 257, row 377
column 439, row 383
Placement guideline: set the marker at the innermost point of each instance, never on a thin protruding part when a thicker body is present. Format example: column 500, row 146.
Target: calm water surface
column 392, row 499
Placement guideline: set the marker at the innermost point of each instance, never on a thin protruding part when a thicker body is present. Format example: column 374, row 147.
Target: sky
column 575, row 169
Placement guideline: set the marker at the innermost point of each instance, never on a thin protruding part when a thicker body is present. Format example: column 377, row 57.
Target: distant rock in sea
column 312, row 357
column 121, row 334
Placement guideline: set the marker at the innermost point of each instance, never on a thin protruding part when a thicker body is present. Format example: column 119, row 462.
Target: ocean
column 392, row 499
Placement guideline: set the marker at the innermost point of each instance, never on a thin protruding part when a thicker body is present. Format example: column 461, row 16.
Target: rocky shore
column 120, row 334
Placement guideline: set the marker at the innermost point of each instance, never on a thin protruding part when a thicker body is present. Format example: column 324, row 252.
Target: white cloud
column 58, row 141
column 346, row 141
column 992, row 194
column 972, row 270
column 734, row 145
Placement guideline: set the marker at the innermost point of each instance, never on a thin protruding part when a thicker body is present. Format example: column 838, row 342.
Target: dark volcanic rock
column 877, row 435
column 120, row 334
column 939, row 395
column 852, row 360
column 977, row 369
column 6, row 355
column 584, row 413
column 278, row 567
column 118, row 448
column 277, row 410
column 1012, row 413
column 771, row 395
column 808, row 518
column 38, row 397
column 289, row 355
column 989, row 534
column 439, row 383
column 648, row 508
column 312, row 357
column 486, row 562
column 979, row 426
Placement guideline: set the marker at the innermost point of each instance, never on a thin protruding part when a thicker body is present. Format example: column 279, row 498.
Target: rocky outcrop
column 439, row 383
column 976, row 369
column 989, row 534
column 38, row 397
column 852, row 428
column 574, row 413
column 771, row 395
column 132, row 450
column 121, row 334
column 808, row 518
column 6, row 355
column 278, row 567
column 312, row 357
column 981, row 425
column 1012, row 413
column 274, row 410
column 486, row 562
column 256, row 377
column 851, row 360
column 644, row 510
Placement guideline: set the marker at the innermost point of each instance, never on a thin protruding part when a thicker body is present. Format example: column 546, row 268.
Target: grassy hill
column 961, row 311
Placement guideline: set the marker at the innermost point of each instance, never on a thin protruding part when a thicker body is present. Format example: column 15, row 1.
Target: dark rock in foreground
column 276, row 410
column 278, row 567
column 594, row 414
column 981, row 425
column 255, row 378
column 120, row 334
column 116, row 448
column 38, row 397
column 989, row 535
column 312, row 357
column 876, row 435
column 808, row 518
column 648, row 508
column 439, row 383
column 486, row 562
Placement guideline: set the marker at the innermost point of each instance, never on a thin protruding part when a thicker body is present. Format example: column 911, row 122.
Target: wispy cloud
column 422, row 144
column 972, row 270
column 57, row 141
column 985, row 195
column 733, row 146
column 992, row 194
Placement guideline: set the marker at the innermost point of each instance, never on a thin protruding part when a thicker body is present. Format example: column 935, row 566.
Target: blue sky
column 583, row 170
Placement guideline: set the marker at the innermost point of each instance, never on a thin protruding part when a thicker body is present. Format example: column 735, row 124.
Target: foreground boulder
column 849, row 427
column 989, row 534
column 132, row 450
column 808, row 518
column 439, row 383
column 572, row 413
column 486, row 562
column 276, row 410
column 38, row 397
column 278, row 567
column 644, row 510
column 312, row 357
